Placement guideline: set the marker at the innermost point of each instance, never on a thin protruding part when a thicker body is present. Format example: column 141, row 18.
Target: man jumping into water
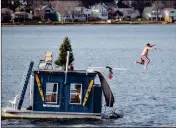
column 144, row 56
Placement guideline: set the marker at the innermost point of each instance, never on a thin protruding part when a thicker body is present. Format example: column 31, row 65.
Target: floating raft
column 29, row 114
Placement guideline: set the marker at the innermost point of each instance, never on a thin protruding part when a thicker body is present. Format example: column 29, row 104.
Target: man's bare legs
column 146, row 63
column 137, row 62
column 141, row 62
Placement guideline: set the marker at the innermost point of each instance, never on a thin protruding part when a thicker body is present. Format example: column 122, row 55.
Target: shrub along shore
column 82, row 23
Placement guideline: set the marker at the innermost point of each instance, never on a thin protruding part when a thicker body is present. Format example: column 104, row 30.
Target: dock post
column 25, row 85
column 31, row 89
column 68, row 54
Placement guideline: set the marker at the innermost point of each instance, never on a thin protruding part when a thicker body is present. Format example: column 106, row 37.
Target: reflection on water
column 146, row 98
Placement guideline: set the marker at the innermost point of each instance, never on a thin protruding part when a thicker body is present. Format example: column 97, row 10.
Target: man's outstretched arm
column 152, row 45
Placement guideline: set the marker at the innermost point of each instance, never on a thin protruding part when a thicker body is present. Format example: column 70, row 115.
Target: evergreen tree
column 62, row 56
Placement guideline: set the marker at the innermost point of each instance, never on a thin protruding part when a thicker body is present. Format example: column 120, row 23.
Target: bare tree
column 157, row 7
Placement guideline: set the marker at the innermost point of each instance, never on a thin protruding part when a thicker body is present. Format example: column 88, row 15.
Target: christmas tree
column 62, row 56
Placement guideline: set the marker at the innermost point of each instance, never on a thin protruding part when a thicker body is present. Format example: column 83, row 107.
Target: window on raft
column 51, row 93
column 75, row 93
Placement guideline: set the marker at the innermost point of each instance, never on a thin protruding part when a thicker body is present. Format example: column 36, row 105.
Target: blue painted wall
column 93, row 104
column 97, row 99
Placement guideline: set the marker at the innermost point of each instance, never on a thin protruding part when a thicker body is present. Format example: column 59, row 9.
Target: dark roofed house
column 112, row 9
column 46, row 12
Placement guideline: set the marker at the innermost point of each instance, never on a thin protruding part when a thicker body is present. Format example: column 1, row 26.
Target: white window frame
column 51, row 93
column 75, row 93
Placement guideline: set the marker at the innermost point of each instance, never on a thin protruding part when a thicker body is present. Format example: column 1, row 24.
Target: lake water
column 145, row 97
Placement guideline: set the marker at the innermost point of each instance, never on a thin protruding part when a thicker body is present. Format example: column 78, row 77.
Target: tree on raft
column 62, row 56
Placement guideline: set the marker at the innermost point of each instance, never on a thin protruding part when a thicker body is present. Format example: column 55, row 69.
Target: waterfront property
column 46, row 12
column 169, row 14
column 85, row 13
column 129, row 12
column 67, row 17
column 112, row 10
column 60, row 11
column 99, row 11
column 78, row 16
column 147, row 13
column 151, row 14
column 83, row 10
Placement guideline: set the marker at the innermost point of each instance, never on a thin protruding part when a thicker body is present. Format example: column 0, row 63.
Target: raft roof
column 63, row 72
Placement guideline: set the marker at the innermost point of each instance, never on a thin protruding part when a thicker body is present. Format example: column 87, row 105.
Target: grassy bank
column 81, row 23
column 138, row 22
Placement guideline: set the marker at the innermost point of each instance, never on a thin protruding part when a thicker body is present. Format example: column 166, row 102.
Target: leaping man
column 144, row 56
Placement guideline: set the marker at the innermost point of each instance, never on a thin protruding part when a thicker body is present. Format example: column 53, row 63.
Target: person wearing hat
column 144, row 56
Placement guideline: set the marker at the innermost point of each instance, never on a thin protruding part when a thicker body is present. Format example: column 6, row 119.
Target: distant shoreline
column 86, row 23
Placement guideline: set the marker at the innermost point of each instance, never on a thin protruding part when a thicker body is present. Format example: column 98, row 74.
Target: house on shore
column 78, row 16
column 129, row 13
column 99, row 11
column 150, row 13
column 169, row 14
column 46, row 12
column 83, row 10
column 112, row 10
column 67, row 17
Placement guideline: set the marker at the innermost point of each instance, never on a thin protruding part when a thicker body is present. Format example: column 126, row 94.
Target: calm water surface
column 146, row 98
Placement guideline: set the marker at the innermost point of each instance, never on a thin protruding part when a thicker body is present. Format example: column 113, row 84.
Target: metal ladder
column 25, row 85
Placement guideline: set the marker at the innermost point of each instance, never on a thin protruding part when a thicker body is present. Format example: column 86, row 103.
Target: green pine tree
column 62, row 56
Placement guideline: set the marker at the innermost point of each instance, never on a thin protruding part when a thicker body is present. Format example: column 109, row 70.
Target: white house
column 150, row 13
column 129, row 12
column 74, row 16
column 169, row 14
column 67, row 17
column 83, row 10
column 78, row 16
column 147, row 13
column 99, row 11
column 82, row 13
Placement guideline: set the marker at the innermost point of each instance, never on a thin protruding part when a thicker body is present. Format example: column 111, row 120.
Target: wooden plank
column 88, row 92
column 28, row 114
column 39, row 87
